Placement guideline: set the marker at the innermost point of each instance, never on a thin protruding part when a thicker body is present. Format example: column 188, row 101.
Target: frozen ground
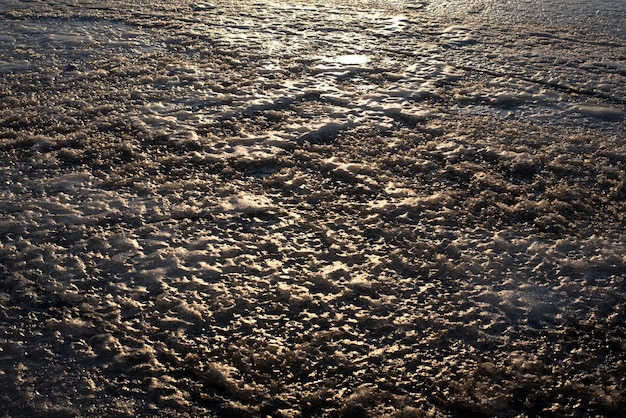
column 283, row 208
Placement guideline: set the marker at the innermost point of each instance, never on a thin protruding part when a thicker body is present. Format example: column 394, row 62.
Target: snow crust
column 289, row 209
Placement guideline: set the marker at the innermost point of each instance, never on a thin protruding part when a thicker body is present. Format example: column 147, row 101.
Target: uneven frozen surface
column 283, row 208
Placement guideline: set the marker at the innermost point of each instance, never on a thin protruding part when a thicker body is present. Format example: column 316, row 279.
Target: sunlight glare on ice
column 353, row 59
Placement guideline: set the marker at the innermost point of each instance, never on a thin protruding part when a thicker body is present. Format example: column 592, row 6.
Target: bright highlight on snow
column 354, row 59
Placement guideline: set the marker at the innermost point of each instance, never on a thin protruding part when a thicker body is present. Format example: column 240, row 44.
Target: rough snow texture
column 286, row 209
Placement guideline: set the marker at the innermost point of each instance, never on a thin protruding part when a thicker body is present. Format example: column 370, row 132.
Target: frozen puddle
column 69, row 39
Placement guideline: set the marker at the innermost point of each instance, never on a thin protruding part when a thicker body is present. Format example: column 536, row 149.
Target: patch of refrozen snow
column 275, row 208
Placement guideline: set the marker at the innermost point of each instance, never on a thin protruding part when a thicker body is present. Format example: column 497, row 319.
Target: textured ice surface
column 283, row 208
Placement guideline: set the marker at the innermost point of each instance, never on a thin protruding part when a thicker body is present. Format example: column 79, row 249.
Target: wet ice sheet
column 288, row 209
column 606, row 16
column 536, row 77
